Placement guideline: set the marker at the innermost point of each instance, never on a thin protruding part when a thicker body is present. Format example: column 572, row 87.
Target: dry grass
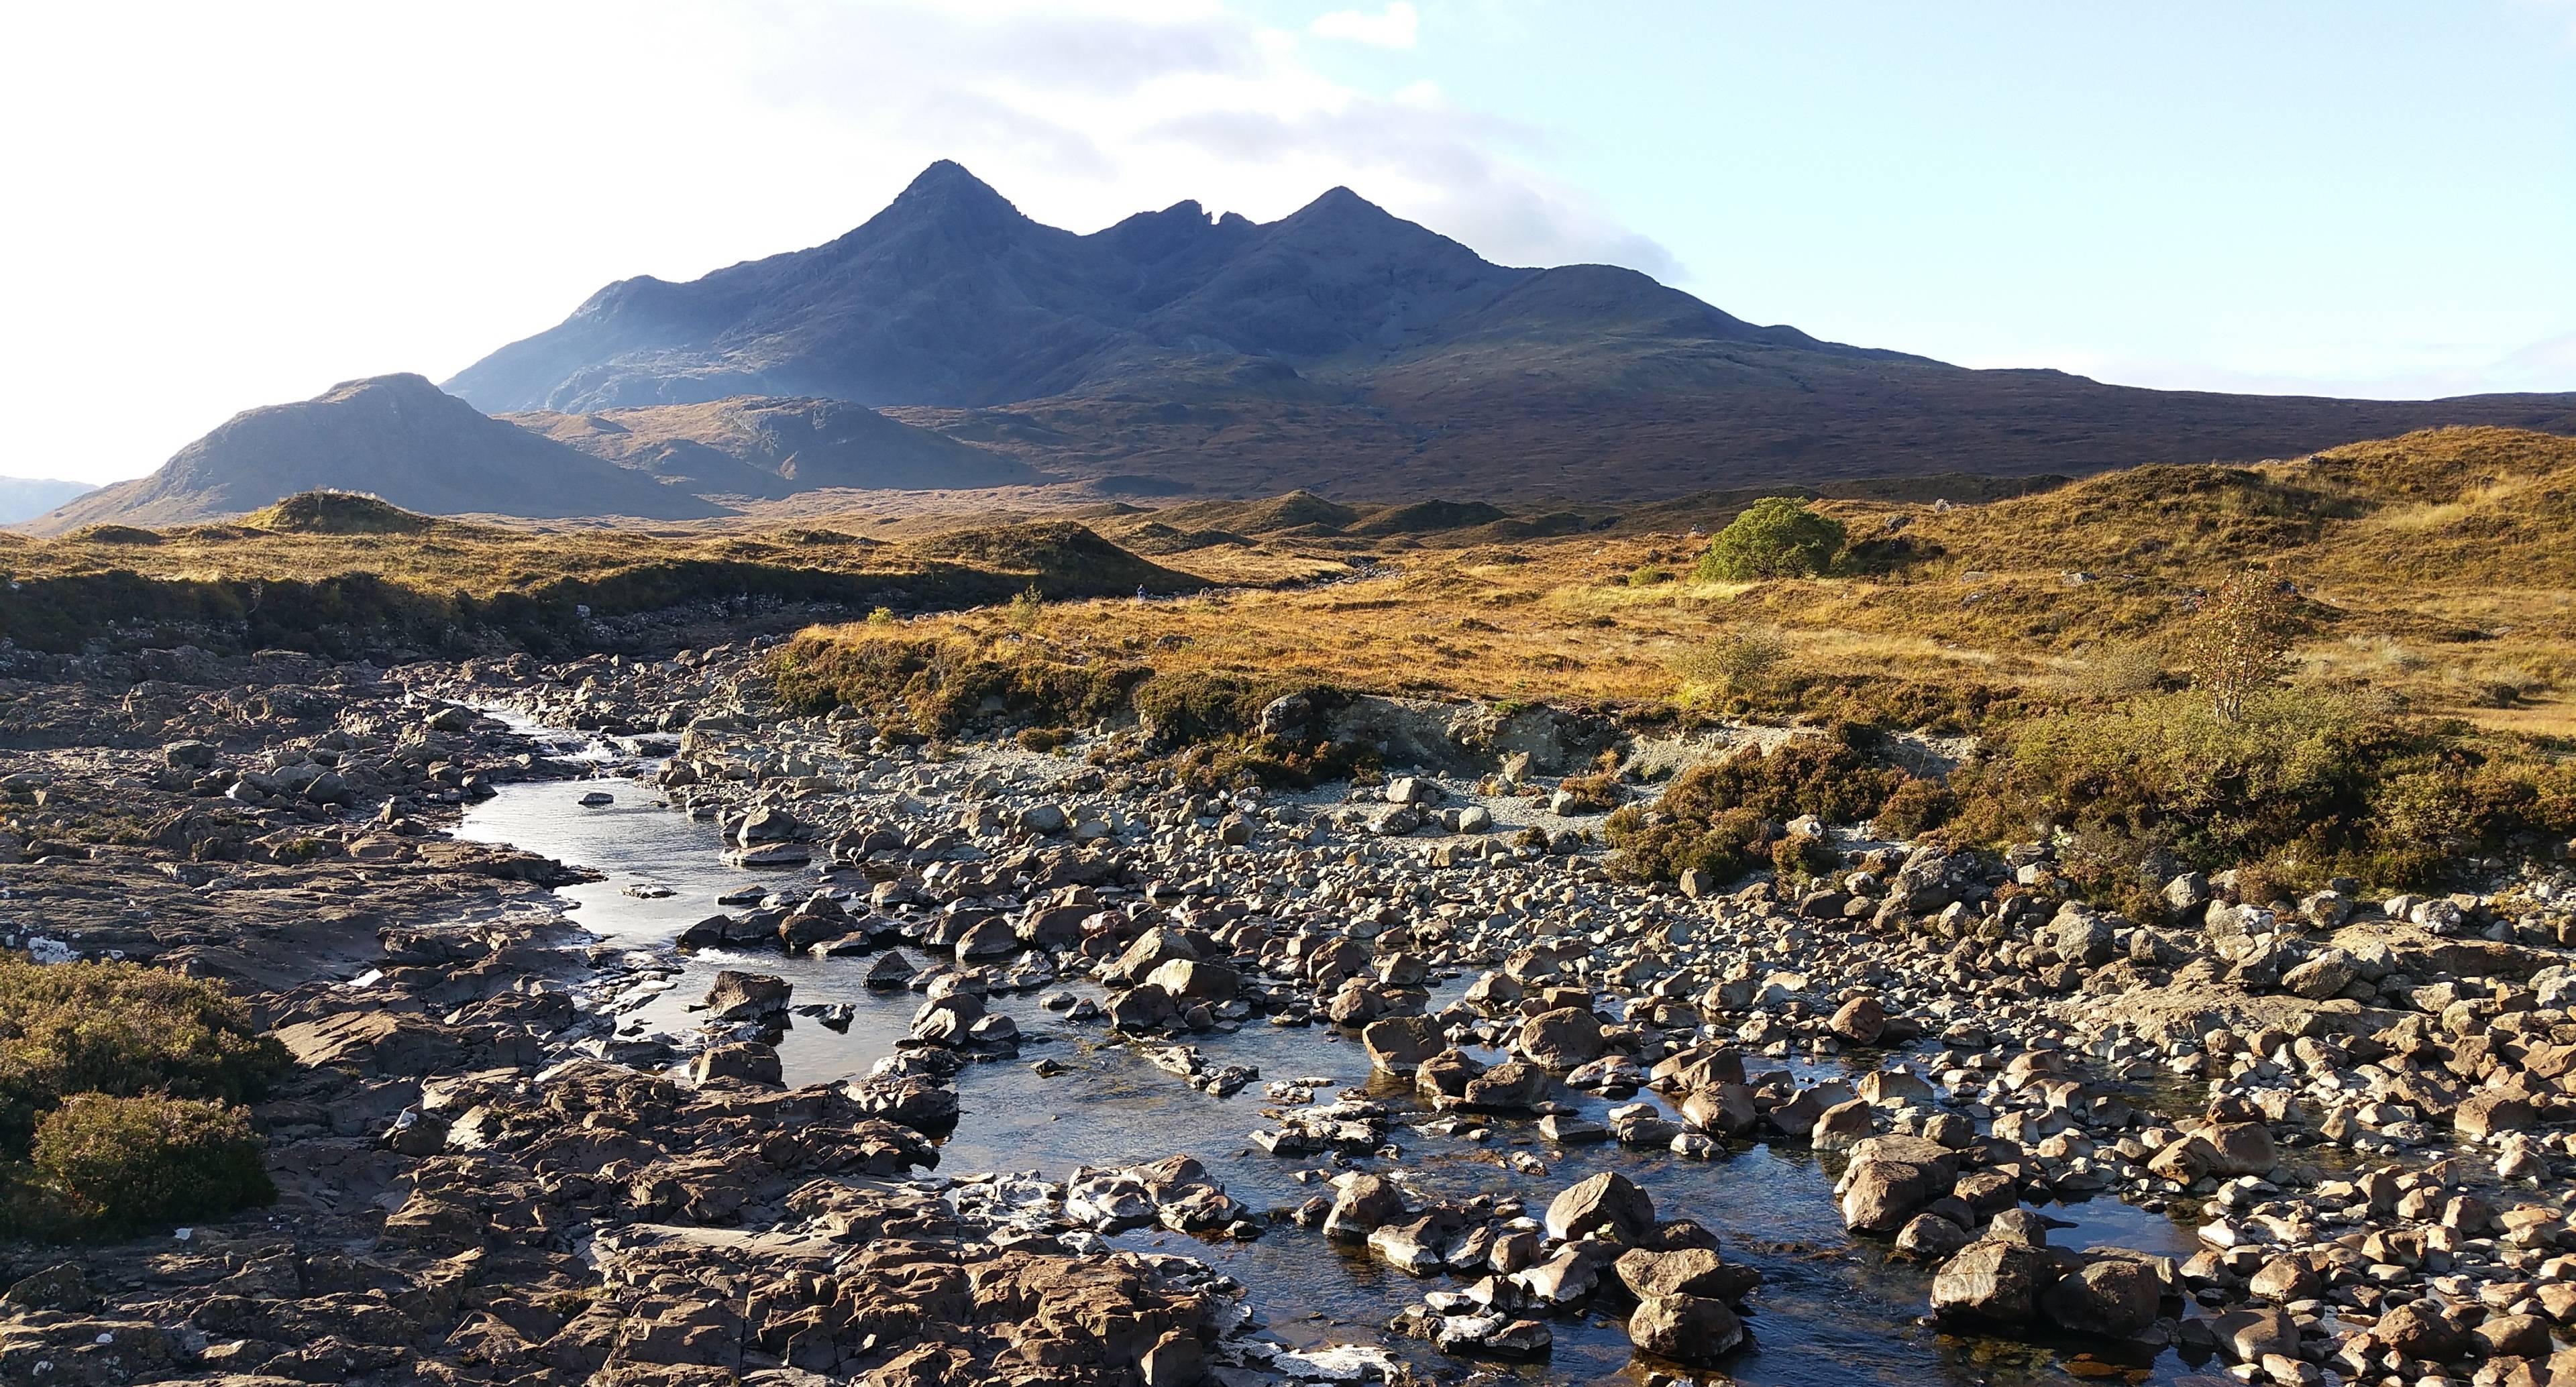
column 2435, row 570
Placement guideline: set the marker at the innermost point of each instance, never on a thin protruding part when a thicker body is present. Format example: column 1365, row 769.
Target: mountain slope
column 1346, row 349
column 397, row 437
column 768, row 448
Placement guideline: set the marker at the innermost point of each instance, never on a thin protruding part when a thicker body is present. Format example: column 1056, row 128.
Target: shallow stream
column 1833, row 1309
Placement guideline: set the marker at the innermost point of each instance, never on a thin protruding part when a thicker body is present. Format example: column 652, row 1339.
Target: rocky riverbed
column 872, row 1059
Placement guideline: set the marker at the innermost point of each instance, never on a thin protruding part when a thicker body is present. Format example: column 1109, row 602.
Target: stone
column 1994, row 1283
column 1400, row 1044
column 2111, row 1297
column 1861, row 1021
column 1562, row 1039
column 2418, row 1330
column 739, row 996
column 1931, row 1237
column 1360, row 1205
column 1692, row 1330
column 1879, row 1196
column 745, row 1062
column 1695, row 1271
column 1608, row 1203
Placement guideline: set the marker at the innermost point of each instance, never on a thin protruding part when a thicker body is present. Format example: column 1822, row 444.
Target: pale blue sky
column 215, row 207
column 2368, row 198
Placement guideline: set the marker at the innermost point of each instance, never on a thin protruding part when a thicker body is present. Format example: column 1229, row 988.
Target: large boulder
column 2111, row 1297
column 1189, row 980
column 1362, row 1203
column 1693, row 1271
column 1994, row 1283
column 738, row 996
column 1695, row 1330
column 1400, row 1044
column 1607, row 1203
column 1565, row 1038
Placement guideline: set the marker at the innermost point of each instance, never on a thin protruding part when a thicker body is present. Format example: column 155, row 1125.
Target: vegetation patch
column 116, row 1082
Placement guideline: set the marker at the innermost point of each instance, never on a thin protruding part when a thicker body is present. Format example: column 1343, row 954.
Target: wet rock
column 739, row 996
column 2110, row 1297
column 1562, row 1039
column 1400, row 1044
column 1360, row 1203
column 1688, row 1329
column 1694, row 1271
column 1931, row 1237
column 1861, row 1020
column 747, row 1062
column 1608, row 1203
column 1994, row 1283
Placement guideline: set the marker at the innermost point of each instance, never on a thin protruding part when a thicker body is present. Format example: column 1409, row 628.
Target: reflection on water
column 1833, row 1309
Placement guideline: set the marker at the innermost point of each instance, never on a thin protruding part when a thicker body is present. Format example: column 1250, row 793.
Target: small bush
column 882, row 616
column 2307, row 783
column 1653, row 845
column 1597, row 789
column 1800, row 860
column 1916, row 807
column 2239, row 646
column 123, row 1163
column 1732, row 665
column 1026, row 605
column 2122, row 669
column 119, row 1029
column 1041, row 738
column 1775, row 537
column 1831, row 775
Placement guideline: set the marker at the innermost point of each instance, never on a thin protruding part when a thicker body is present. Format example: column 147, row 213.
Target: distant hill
column 395, row 437
column 767, row 448
column 25, row 498
column 1347, row 350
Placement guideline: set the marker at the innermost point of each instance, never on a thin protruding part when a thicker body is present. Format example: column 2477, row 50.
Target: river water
column 1833, row 1308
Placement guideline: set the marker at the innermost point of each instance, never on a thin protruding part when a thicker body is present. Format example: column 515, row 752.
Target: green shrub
column 2305, row 783
column 1775, row 537
column 1653, row 845
column 1832, row 775
column 117, row 1164
column 119, row 1029
column 1916, row 807
column 1800, row 860
column 1597, row 789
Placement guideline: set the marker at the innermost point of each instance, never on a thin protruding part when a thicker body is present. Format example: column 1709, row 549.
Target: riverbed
column 1833, row 1308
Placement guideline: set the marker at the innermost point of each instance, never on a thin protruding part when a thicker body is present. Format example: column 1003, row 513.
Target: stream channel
column 1833, row 1309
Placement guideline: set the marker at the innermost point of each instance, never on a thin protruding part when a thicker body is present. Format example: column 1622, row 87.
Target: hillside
column 2429, row 565
column 768, row 448
column 396, row 437
column 1347, row 350
column 349, row 574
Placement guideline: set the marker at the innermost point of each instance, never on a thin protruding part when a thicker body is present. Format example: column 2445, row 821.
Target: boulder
column 2111, row 1297
column 1565, row 1038
column 1861, row 1020
column 1608, row 1203
column 1994, row 1283
column 1400, row 1044
column 738, row 996
column 1688, row 1329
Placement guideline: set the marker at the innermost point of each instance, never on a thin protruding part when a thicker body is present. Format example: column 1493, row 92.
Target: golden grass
column 2435, row 566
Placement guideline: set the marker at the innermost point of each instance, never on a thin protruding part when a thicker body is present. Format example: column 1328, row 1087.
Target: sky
column 212, row 207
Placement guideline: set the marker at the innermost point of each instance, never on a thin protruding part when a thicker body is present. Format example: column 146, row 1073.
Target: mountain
column 1347, row 350
column 396, row 437
column 767, row 448
column 24, row 498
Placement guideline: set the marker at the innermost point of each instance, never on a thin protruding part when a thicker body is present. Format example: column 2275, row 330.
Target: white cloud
column 1396, row 26
column 218, row 207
